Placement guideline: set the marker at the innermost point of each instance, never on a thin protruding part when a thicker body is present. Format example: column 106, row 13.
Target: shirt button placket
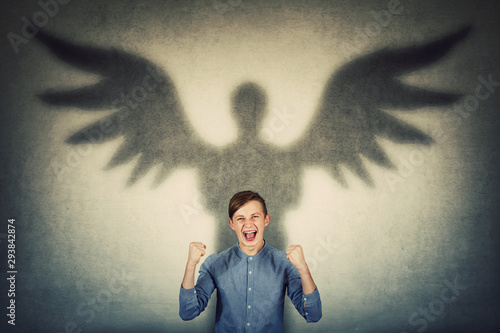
column 248, row 324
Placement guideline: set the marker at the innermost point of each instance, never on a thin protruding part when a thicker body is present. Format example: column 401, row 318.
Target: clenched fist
column 196, row 251
column 295, row 254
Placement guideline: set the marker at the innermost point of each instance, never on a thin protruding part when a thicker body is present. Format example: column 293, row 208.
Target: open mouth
column 250, row 235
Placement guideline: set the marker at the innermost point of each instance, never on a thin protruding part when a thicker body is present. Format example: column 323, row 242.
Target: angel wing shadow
column 351, row 112
column 147, row 112
column 350, row 116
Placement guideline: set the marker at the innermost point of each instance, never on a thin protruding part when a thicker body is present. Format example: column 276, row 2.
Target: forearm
column 189, row 273
column 308, row 285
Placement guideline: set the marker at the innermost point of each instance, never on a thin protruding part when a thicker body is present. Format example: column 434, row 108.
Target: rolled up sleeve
column 312, row 306
column 193, row 301
column 309, row 306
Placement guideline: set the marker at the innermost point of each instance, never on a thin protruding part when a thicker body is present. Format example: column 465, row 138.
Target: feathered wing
column 350, row 115
column 148, row 113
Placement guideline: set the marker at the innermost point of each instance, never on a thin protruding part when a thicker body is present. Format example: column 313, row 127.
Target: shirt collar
column 239, row 252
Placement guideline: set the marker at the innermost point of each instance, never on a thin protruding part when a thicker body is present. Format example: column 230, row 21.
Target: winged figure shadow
column 150, row 118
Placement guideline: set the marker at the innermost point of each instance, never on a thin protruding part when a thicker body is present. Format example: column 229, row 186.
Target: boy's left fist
column 295, row 254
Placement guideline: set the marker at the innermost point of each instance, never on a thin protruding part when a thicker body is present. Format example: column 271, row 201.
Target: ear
column 231, row 224
column 267, row 220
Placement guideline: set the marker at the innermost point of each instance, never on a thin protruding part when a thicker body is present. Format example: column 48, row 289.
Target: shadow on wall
column 150, row 117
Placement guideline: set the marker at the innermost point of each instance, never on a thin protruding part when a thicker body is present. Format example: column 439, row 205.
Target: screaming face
column 248, row 223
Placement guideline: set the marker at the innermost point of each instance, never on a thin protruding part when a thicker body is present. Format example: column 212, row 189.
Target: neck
column 249, row 135
column 251, row 251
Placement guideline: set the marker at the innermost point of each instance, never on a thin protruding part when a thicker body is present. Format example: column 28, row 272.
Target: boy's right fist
column 196, row 251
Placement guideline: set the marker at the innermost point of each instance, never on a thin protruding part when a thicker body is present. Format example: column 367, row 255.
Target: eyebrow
column 236, row 216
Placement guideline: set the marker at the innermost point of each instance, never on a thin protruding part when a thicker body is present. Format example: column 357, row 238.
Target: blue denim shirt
column 250, row 291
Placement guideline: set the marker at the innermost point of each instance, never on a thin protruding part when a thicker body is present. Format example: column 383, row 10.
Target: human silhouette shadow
column 249, row 163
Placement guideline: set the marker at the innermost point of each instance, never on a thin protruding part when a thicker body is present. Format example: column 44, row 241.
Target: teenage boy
column 251, row 277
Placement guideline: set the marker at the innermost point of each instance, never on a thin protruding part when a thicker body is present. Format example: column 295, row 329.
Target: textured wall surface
column 101, row 246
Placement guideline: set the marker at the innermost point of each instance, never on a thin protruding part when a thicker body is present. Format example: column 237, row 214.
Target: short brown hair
column 241, row 198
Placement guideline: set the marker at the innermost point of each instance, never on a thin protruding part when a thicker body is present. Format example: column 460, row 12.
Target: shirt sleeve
column 309, row 306
column 193, row 301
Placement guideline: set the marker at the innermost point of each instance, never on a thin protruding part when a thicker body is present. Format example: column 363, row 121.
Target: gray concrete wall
column 417, row 252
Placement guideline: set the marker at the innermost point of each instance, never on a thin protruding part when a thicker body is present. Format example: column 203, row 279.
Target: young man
column 251, row 277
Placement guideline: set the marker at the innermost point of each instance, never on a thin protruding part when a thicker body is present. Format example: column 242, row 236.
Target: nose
column 247, row 223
